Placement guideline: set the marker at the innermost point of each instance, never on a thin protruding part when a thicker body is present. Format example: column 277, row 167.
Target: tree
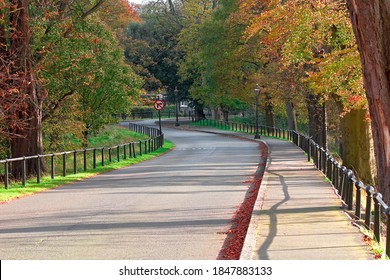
column 152, row 48
column 89, row 67
column 214, row 52
column 191, row 67
column 38, row 58
column 371, row 21
column 13, row 80
column 313, row 41
column 16, row 54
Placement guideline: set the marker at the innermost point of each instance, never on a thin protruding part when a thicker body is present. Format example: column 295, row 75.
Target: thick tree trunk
column 315, row 113
column 357, row 153
column 225, row 115
column 371, row 24
column 29, row 139
column 291, row 116
column 199, row 111
column 217, row 114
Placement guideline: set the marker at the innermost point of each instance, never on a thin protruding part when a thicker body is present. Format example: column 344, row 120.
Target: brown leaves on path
column 234, row 241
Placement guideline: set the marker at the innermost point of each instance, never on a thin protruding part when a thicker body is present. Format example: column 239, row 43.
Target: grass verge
column 17, row 191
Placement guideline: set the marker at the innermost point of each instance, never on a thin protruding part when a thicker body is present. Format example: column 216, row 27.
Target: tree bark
column 217, row 113
column 29, row 141
column 357, row 153
column 371, row 25
column 225, row 115
column 291, row 116
column 315, row 113
column 269, row 111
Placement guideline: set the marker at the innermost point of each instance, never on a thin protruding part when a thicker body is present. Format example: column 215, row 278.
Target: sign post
column 159, row 105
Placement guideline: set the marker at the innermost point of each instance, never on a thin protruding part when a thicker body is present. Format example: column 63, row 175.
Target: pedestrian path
column 297, row 215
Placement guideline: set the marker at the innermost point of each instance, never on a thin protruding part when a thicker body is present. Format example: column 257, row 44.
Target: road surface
column 177, row 206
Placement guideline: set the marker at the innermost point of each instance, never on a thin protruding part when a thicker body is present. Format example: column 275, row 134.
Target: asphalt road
column 177, row 206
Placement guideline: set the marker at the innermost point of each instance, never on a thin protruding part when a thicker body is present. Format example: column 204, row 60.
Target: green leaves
column 81, row 63
column 152, row 49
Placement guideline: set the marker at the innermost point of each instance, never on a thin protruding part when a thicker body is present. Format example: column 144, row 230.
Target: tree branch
column 93, row 9
column 85, row 15
column 57, row 104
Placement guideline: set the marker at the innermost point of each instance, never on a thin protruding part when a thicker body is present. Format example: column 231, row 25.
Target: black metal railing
column 349, row 188
column 91, row 157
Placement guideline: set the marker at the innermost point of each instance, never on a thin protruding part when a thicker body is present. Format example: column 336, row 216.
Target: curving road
column 176, row 206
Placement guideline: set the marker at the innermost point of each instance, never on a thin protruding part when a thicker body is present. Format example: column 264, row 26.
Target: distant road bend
column 176, row 206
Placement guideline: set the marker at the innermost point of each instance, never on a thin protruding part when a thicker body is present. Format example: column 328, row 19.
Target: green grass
column 16, row 190
column 114, row 135
column 243, row 131
column 377, row 249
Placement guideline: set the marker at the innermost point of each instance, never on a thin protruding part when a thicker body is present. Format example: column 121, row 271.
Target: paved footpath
column 297, row 215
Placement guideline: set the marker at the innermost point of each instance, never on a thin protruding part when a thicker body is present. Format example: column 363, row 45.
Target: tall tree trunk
column 315, row 113
column 29, row 139
column 324, row 127
column 269, row 111
column 371, row 25
column 225, row 115
column 217, row 114
column 291, row 116
column 357, row 153
column 199, row 111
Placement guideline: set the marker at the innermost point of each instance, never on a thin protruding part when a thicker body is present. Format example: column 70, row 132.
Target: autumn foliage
column 61, row 64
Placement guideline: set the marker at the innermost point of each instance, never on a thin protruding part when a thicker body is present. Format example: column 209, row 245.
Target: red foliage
column 130, row 10
column 14, row 78
column 236, row 234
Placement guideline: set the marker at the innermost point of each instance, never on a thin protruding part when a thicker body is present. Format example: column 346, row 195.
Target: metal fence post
column 94, row 158
column 358, row 212
column 130, row 151
column 74, row 162
column 349, row 198
column 24, row 175
column 38, row 169
column 320, row 159
column 85, row 160
column 64, row 164
column 52, row 166
column 377, row 217
column 6, row 179
column 103, row 156
column 367, row 218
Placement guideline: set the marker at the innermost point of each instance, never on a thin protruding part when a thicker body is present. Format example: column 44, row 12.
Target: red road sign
column 159, row 105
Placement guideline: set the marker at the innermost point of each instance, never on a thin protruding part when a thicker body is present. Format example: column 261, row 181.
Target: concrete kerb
column 250, row 238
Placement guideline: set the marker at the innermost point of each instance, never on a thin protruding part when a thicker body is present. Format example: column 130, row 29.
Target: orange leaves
column 118, row 14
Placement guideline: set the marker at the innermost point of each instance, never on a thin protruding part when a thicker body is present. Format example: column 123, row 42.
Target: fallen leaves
column 236, row 234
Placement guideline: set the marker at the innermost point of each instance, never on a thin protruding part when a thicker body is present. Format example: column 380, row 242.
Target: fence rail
column 349, row 188
column 97, row 156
